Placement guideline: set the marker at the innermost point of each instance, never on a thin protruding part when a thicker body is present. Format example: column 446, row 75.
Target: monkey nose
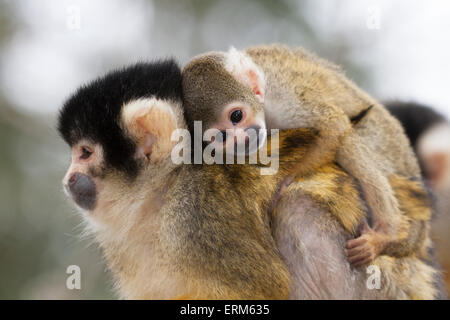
column 83, row 191
column 73, row 178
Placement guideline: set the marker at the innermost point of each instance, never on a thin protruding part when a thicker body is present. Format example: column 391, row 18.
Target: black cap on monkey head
column 93, row 112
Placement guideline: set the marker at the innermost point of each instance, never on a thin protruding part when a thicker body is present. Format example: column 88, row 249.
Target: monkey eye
column 85, row 152
column 236, row 116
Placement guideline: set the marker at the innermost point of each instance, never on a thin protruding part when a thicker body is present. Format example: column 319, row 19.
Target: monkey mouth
column 86, row 202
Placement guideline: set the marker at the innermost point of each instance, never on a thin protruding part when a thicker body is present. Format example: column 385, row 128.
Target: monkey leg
column 356, row 158
column 411, row 233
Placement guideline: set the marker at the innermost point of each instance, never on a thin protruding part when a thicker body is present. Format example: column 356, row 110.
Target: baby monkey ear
column 151, row 122
column 242, row 67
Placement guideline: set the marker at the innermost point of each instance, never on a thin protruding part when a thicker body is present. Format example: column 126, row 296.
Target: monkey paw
column 364, row 249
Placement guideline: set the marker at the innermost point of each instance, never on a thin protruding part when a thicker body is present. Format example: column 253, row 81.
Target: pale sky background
column 55, row 50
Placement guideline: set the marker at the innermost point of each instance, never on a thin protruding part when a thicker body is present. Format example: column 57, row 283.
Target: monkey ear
column 151, row 122
column 242, row 67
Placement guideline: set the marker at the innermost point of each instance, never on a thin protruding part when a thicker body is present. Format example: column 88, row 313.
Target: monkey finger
column 354, row 258
column 355, row 242
column 355, row 251
column 361, row 256
column 362, row 262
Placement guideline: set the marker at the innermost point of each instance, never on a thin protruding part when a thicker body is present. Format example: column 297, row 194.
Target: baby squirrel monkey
column 171, row 230
column 275, row 87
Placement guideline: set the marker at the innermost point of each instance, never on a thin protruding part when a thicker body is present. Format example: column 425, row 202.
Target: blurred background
column 392, row 49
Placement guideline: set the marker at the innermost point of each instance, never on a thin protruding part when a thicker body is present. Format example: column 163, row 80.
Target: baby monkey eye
column 85, row 152
column 236, row 116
